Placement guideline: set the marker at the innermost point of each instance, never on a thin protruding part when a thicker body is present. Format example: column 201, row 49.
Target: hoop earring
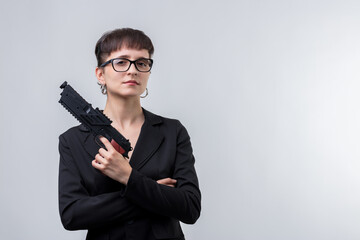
column 103, row 89
column 146, row 93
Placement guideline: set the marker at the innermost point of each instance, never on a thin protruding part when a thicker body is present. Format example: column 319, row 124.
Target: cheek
column 145, row 79
column 114, row 77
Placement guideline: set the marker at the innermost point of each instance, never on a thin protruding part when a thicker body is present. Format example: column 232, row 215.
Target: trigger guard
column 98, row 142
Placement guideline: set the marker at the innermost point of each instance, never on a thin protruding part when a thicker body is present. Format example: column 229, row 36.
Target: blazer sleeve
column 182, row 202
column 79, row 210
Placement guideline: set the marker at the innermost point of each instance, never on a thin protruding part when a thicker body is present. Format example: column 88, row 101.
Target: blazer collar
column 149, row 140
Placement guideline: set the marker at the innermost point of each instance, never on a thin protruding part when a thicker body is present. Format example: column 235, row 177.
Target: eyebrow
column 128, row 57
column 123, row 56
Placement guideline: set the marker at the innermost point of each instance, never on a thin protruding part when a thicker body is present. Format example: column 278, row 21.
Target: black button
column 130, row 222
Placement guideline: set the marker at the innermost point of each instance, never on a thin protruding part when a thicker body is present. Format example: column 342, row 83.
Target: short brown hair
column 122, row 37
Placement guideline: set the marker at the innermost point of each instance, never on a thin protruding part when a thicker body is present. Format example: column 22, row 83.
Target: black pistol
column 93, row 119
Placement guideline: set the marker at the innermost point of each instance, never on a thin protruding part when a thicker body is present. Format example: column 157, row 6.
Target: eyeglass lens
column 122, row 65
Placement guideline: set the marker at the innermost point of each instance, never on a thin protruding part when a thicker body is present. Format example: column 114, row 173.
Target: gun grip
column 113, row 143
column 117, row 146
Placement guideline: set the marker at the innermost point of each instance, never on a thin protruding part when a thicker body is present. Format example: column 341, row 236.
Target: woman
column 145, row 196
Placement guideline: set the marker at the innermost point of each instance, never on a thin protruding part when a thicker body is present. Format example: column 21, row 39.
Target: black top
column 109, row 210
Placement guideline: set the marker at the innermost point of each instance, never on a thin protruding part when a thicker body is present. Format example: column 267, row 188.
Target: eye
column 120, row 62
column 142, row 63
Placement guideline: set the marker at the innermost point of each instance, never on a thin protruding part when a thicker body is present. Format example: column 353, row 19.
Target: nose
column 132, row 68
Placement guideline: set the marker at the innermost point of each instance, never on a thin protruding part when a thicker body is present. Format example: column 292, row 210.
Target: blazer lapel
column 149, row 140
column 90, row 145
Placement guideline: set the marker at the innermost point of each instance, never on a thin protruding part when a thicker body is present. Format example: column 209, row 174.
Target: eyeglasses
column 124, row 64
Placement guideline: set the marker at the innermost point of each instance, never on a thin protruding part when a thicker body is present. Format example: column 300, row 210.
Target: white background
column 268, row 90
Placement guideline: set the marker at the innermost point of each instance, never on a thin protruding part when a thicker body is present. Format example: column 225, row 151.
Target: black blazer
column 90, row 200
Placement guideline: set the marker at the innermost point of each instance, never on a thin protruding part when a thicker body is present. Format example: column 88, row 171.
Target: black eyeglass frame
column 131, row 62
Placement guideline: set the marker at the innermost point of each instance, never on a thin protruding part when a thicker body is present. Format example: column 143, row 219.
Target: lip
column 131, row 82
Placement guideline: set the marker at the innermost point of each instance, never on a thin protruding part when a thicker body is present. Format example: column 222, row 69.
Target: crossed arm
column 111, row 163
column 140, row 195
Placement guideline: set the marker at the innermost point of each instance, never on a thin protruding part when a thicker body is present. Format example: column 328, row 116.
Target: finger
column 166, row 181
column 170, row 180
column 161, row 181
column 168, row 184
column 96, row 164
column 99, row 159
column 106, row 143
column 103, row 153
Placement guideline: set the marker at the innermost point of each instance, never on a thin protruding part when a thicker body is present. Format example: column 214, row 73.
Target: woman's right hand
column 167, row 182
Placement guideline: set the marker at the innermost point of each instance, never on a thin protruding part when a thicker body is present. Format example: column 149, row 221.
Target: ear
column 99, row 72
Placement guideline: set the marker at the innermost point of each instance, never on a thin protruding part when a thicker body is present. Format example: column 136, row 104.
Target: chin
column 126, row 94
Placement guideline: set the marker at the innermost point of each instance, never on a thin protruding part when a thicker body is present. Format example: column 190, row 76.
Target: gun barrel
column 93, row 119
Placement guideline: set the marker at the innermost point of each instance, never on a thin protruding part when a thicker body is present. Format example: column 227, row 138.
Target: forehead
column 130, row 53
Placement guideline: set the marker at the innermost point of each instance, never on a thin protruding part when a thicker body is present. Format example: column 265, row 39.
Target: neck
column 123, row 111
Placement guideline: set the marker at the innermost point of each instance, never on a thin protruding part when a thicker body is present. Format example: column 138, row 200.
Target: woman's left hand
column 167, row 182
column 111, row 163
